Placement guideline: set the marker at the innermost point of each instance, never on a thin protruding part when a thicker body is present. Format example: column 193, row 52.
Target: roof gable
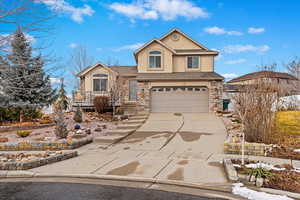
column 90, row 68
column 151, row 42
column 168, row 39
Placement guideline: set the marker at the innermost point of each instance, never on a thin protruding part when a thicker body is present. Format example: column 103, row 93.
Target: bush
column 24, row 133
column 13, row 115
column 78, row 115
column 101, row 103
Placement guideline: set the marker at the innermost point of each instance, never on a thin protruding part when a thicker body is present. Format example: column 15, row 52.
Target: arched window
column 155, row 59
column 100, row 82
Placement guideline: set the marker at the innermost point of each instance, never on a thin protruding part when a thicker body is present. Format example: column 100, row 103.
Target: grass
column 288, row 122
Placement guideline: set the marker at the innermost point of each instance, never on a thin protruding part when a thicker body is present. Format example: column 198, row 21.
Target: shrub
column 24, row 133
column 78, row 115
column 12, row 115
column 261, row 173
column 101, row 103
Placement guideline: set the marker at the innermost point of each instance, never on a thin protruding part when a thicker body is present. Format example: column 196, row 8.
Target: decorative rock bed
column 15, row 128
column 62, row 144
column 24, row 161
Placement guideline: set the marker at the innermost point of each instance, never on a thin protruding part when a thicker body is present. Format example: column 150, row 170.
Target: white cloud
column 221, row 31
column 73, row 45
column 155, row 9
column 244, row 48
column 233, row 62
column 252, row 30
column 61, row 6
column 230, row 75
column 129, row 47
column 54, row 80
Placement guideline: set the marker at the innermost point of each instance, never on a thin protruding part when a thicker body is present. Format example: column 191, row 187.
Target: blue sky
column 247, row 33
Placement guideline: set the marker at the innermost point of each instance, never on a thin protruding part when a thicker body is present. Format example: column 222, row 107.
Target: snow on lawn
column 260, row 165
column 239, row 189
column 265, row 166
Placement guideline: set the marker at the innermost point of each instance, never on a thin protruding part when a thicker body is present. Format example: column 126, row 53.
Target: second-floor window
column 99, row 82
column 154, row 59
column 193, row 62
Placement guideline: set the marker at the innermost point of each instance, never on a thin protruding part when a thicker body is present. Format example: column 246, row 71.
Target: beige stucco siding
column 181, row 43
column 206, row 64
column 88, row 81
column 143, row 59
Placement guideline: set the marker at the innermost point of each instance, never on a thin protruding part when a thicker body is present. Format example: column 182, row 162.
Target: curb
column 281, row 192
column 28, row 174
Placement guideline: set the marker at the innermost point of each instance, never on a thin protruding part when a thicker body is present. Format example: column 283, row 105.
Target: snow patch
column 265, row 166
column 239, row 189
column 297, row 150
column 237, row 165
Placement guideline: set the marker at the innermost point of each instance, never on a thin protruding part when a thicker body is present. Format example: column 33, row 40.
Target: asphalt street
column 75, row 191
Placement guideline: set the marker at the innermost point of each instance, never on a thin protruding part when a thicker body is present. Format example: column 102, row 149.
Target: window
column 99, row 82
column 193, row 62
column 154, row 59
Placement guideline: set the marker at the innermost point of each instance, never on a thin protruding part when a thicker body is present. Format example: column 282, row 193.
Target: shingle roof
column 179, row 76
column 125, row 70
column 262, row 74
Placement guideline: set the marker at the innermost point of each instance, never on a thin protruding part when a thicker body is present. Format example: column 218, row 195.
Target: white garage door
column 179, row 99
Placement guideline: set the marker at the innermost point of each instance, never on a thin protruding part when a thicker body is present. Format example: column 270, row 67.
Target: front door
column 132, row 90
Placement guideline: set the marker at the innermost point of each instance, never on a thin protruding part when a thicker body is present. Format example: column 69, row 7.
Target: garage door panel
column 179, row 100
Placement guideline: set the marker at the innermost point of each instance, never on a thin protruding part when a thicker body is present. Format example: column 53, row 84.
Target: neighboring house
column 173, row 74
column 288, row 83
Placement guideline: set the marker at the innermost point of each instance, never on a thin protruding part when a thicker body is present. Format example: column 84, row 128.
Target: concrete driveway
column 183, row 147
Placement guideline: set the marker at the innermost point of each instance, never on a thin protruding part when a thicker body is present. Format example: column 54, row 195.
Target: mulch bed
column 284, row 152
column 285, row 180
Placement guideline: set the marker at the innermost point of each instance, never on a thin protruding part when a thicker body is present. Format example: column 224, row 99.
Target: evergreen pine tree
column 62, row 97
column 25, row 82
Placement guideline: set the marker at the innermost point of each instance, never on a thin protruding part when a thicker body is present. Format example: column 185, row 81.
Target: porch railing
column 87, row 97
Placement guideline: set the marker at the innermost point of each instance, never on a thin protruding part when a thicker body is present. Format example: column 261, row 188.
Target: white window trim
column 199, row 63
column 161, row 59
column 100, row 78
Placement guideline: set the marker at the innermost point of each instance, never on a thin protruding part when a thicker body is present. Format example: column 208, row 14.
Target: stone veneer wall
column 254, row 149
column 215, row 96
column 143, row 94
column 43, row 146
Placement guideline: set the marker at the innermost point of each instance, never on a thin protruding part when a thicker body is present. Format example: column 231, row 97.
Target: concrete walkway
column 183, row 147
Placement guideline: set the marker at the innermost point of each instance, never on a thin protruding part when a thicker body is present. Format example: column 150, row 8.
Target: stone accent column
column 215, row 96
column 143, row 95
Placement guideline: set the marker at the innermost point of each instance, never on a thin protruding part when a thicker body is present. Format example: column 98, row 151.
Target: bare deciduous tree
column 293, row 67
column 116, row 92
column 29, row 15
column 79, row 60
column 256, row 104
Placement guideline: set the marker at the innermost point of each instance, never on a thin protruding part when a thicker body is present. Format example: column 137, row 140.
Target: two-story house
column 174, row 73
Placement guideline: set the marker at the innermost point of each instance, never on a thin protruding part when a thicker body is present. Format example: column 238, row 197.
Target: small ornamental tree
column 23, row 79
column 78, row 115
column 62, row 98
column 60, row 130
